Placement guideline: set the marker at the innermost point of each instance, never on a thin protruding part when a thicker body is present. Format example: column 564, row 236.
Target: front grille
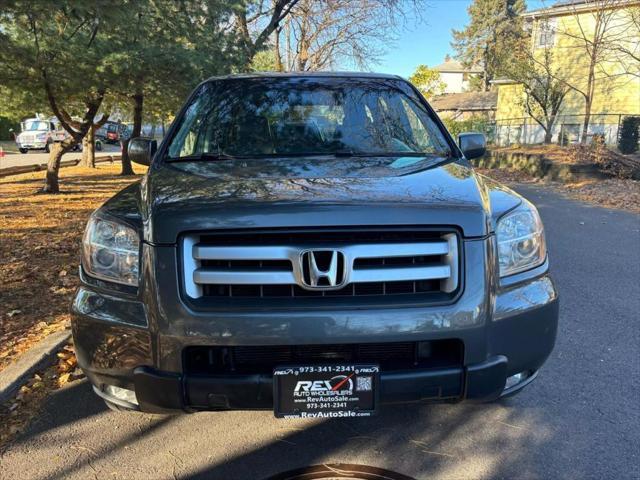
column 277, row 264
column 208, row 360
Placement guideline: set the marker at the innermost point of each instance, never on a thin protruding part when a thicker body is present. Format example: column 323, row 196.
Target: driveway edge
column 12, row 377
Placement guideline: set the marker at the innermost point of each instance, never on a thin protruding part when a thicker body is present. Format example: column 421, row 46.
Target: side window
column 546, row 32
column 424, row 131
column 420, row 132
column 185, row 140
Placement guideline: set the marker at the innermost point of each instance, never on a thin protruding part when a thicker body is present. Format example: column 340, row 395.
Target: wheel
column 24, row 150
column 99, row 146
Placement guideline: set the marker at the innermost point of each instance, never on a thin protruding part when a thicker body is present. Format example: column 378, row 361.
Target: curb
column 12, row 377
column 7, row 172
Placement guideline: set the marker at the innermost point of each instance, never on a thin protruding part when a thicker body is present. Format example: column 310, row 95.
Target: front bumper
column 116, row 346
column 33, row 145
column 161, row 392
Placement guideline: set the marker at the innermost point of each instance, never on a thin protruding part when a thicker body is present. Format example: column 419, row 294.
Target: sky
column 429, row 42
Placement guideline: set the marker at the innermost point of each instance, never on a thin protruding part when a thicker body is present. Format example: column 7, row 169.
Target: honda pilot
column 314, row 244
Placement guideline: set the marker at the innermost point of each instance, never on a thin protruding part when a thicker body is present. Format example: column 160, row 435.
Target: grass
column 9, row 146
column 40, row 239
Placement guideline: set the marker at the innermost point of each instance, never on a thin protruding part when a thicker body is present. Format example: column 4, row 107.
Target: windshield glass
column 271, row 117
column 31, row 125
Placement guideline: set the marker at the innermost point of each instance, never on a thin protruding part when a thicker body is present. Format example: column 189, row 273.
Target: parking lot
column 578, row 420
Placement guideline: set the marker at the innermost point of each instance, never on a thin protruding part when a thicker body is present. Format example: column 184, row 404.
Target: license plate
column 325, row 391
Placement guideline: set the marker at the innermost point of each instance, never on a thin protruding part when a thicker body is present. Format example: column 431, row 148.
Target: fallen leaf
column 63, row 379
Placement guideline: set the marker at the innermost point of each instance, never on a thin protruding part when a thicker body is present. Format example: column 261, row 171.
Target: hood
column 270, row 193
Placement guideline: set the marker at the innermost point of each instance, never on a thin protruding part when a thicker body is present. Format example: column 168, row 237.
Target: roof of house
column 453, row 66
column 564, row 7
column 466, row 101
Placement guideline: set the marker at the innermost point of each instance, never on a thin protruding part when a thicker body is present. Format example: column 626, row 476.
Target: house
column 561, row 29
column 462, row 106
column 455, row 76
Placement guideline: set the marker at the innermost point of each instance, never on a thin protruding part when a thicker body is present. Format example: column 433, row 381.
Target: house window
column 546, row 32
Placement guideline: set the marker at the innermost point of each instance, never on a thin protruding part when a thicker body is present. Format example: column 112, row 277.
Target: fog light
column 514, row 380
column 123, row 394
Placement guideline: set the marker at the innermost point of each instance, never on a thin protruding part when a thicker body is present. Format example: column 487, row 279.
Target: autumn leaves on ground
column 39, row 255
column 40, row 247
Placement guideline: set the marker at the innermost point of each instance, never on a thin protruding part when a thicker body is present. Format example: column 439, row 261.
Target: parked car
column 315, row 244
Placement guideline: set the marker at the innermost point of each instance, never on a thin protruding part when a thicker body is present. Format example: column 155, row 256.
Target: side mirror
column 473, row 145
column 141, row 150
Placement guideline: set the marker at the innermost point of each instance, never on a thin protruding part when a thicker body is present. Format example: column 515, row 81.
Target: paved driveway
column 580, row 419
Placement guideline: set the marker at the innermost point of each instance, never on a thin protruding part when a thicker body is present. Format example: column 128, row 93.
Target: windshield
column 32, row 125
column 271, row 117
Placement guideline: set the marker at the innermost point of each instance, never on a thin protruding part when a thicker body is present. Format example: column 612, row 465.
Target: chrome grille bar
column 400, row 274
column 216, row 276
column 201, row 252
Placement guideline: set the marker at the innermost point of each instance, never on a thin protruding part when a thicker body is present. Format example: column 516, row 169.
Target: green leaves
column 493, row 34
column 428, row 81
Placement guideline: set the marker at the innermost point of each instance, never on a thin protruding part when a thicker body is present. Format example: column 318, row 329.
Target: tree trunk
column 89, row 149
column 276, row 50
column 138, row 103
column 587, row 119
column 57, row 149
column 588, row 100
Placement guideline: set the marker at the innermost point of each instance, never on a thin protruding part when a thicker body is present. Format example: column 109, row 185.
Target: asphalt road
column 37, row 157
column 579, row 420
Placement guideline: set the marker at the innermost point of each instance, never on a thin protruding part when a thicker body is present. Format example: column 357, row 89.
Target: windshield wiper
column 205, row 156
column 350, row 153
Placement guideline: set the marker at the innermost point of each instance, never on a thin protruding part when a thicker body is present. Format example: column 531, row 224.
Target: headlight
column 521, row 243
column 111, row 251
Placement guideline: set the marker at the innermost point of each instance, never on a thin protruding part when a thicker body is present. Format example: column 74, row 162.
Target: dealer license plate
column 325, row 391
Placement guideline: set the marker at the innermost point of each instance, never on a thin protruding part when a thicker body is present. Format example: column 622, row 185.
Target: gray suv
column 315, row 244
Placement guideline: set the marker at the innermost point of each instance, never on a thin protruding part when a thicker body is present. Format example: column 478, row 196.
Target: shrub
column 629, row 134
column 472, row 124
column 5, row 125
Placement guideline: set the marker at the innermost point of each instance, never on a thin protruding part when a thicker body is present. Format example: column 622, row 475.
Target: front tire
column 24, row 150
